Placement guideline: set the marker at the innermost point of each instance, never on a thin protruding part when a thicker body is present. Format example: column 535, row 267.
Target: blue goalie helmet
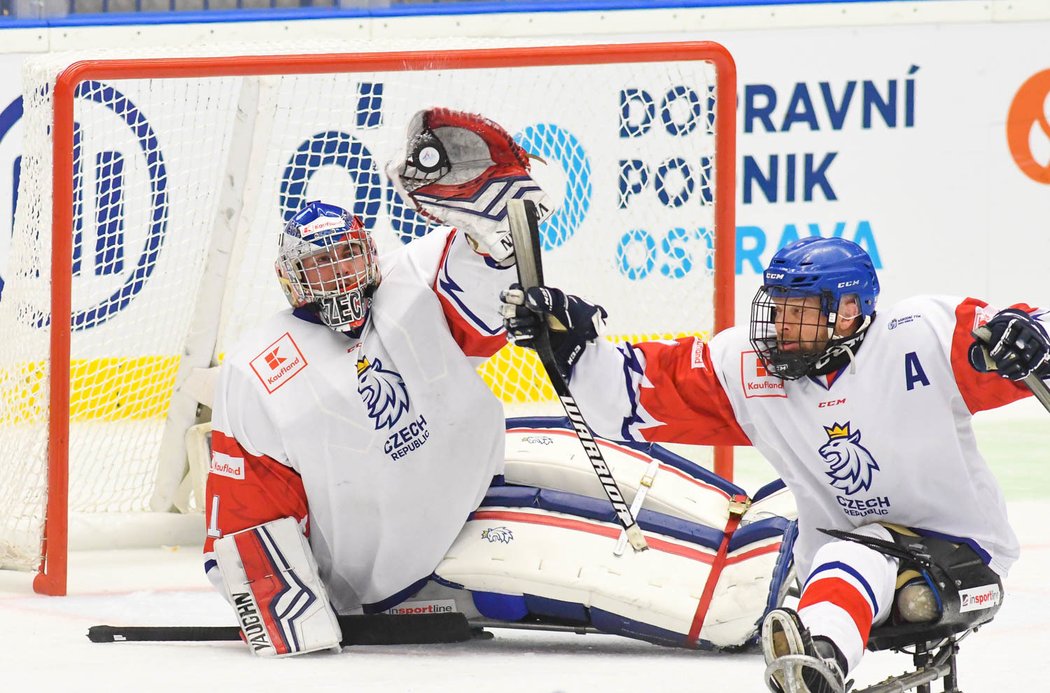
column 807, row 288
column 328, row 260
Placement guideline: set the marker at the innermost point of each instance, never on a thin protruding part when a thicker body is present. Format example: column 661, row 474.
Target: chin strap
column 843, row 351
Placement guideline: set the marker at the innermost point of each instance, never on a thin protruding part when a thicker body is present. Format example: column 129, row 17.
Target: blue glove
column 573, row 322
column 1018, row 346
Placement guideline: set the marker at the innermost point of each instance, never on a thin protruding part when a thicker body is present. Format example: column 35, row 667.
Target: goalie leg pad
column 538, row 553
column 544, row 452
column 271, row 579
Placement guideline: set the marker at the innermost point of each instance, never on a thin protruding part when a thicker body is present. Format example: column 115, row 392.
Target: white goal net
column 165, row 187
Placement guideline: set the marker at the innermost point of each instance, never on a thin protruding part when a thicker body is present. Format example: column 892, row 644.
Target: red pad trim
column 265, row 581
column 836, row 591
column 611, row 531
column 735, row 514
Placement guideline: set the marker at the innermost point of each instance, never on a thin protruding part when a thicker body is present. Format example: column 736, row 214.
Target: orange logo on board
column 1028, row 127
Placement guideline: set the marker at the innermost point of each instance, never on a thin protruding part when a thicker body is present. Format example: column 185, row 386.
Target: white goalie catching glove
column 460, row 169
column 271, row 578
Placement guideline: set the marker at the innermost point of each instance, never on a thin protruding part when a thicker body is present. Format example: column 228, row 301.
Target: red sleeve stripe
column 471, row 340
column 688, row 400
column 980, row 391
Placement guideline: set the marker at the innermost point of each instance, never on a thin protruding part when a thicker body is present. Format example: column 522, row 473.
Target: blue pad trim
column 556, row 609
column 757, row 531
column 500, row 607
column 769, row 489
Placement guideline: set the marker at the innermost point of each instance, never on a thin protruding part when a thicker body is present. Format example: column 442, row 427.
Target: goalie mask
column 460, row 169
column 809, row 288
column 327, row 260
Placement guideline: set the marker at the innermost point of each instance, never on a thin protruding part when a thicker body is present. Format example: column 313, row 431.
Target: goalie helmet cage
column 642, row 138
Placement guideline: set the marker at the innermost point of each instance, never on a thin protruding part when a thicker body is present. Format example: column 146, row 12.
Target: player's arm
column 1019, row 347
column 459, row 169
column 256, row 551
column 467, row 285
column 654, row 391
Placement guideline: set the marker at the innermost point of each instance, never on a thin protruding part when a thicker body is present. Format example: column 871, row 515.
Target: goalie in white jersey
column 357, row 414
column 865, row 416
column 353, row 442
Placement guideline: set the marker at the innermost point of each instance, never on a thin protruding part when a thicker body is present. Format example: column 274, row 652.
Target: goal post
column 153, row 189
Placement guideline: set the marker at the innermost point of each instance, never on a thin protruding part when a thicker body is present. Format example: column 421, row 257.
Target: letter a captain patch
column 913, row 372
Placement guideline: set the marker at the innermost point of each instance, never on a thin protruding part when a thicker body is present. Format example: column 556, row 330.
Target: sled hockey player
column 865, row 416
column 353, row 442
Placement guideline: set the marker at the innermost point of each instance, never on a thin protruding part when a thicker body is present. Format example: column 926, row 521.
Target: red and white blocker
column 849, row 590
column 270, row 577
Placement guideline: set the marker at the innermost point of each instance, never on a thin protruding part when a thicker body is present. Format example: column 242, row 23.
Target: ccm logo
column 831, row 403
column 774, row 275
column 843, row 285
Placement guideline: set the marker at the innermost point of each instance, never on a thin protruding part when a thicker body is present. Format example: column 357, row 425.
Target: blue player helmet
column 328, row 260
column 819, row 273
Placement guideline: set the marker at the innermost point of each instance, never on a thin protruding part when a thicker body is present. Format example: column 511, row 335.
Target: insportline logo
column 278, row 363
column 436, row 606
column 977, row 598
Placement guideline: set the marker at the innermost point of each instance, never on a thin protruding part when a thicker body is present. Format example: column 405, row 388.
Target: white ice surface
column 43, row 645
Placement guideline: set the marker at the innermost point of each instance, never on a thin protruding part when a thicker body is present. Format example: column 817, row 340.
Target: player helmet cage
column 328, row 259
column 829, row 268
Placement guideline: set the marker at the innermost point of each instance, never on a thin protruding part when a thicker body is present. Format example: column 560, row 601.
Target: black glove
column 573, row 321
column 1018, row 346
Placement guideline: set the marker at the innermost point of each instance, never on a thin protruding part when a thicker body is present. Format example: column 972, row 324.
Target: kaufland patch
column 224, row 465
column 756, row 381
column 698, row 353
column 278, row 363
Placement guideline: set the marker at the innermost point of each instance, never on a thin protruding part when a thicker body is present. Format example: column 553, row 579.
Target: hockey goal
column 152, row 192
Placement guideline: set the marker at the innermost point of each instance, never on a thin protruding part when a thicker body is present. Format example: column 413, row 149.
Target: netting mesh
column 164, row 167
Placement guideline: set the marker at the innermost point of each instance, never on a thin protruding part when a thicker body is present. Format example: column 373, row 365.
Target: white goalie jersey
column 379, row 446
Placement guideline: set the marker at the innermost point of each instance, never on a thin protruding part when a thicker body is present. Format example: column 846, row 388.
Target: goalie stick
column 376, row 629
column 524, row 230
column 1032, row 381
column 369, row 629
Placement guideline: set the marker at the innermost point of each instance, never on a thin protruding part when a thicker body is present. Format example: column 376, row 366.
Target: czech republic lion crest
column 502, row 535
column 383, row 392
column 850, row 465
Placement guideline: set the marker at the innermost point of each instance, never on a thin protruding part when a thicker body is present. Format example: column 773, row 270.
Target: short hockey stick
column 524, row 230
column 370, row 629
column 1032, row 381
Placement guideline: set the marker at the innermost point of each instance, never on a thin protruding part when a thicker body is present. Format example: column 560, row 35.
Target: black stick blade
column 371, row 629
